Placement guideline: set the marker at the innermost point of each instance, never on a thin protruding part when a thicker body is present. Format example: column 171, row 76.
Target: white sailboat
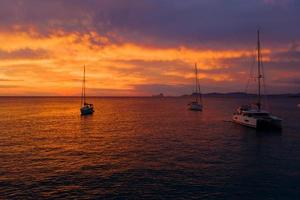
column 86, row 108
column 197, row 104
column 253, row 115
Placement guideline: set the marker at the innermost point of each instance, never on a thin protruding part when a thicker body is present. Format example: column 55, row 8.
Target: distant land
column 243, row 94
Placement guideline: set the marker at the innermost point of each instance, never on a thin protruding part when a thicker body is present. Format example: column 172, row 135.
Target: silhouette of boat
column 197, row 104
column 86, row 108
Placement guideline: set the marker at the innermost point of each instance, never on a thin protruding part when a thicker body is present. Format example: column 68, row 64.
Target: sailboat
column 86, row 108
column 253, row 115
column 197, row 104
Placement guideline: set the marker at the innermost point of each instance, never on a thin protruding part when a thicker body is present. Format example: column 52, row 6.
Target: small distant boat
column 86, row 108
column 253, row 115
column 197, row 104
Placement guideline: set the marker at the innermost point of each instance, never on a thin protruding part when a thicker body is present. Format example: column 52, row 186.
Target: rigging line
column 251, row 77
column 264, row 79
column 82, row 93
column 84, row 85
column 251, row 72
column 200, row 93
column 199, row 88
column 196, row 82
column 265, row 87
column 259, row 76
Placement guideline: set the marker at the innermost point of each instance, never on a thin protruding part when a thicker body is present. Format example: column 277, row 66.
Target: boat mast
column 196, row 73
column 81, row 98
column 83, row 88
column 259, row 76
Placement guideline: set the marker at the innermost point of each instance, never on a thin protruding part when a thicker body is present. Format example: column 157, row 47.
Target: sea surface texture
column 145, row 148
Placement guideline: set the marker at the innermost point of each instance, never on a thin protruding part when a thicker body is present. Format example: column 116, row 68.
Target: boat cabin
column 249, row 111
column 88, row 105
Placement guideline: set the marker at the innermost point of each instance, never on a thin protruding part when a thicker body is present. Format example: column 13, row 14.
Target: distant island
column 241, row 94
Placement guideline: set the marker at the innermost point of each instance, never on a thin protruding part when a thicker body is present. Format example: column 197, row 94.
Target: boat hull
column 196, row 107
column 86, row 111
column 268, row 124
column 259, row 124
column 244, row 121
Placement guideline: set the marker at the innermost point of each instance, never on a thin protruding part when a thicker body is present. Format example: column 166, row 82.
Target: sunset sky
column 145, row 47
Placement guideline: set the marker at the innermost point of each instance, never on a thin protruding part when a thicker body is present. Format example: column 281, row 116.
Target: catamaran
column 197, row 104
column 86, row 108
column 253, row 115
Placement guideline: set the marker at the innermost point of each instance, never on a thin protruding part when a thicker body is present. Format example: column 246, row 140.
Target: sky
column 145, row 47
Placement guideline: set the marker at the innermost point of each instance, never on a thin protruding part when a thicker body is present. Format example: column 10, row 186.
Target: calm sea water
column 144, row 148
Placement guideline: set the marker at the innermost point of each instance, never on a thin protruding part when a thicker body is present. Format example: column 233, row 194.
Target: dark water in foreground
column 134, row 148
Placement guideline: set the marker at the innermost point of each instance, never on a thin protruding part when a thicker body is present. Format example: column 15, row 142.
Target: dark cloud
column 290, row 55
column 181, row 67
column 179, row 89
column 284, row 61
column 283, row 66
column 205, row 24
column 152, row 67
column 290, row 81
column 24, row 53
column 209, row 23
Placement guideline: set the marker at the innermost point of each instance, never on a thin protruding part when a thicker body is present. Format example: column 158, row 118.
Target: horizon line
column 147, row 96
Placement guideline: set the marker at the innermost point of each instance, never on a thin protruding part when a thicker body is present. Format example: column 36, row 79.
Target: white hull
column 258, row 123
column 244, row 121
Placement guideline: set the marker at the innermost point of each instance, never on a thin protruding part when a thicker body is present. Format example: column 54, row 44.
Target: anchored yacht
column 253, row 115
column 197, row 104
column 86, row 108
column 256, row 118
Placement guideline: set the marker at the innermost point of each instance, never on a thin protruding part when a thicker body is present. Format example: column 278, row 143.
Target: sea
column 145, row 148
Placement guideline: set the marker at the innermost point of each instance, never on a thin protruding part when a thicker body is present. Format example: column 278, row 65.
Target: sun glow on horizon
column 32, row 63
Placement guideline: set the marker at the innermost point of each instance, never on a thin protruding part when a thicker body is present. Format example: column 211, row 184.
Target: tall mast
column 82, row 89
column 83, row 86
column 259, row 76
column 196, row 80
column 199, row 88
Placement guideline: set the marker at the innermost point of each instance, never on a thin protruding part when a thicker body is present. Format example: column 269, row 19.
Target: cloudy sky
column 144, row 47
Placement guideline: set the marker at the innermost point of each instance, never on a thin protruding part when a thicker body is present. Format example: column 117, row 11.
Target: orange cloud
column 109, row 65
